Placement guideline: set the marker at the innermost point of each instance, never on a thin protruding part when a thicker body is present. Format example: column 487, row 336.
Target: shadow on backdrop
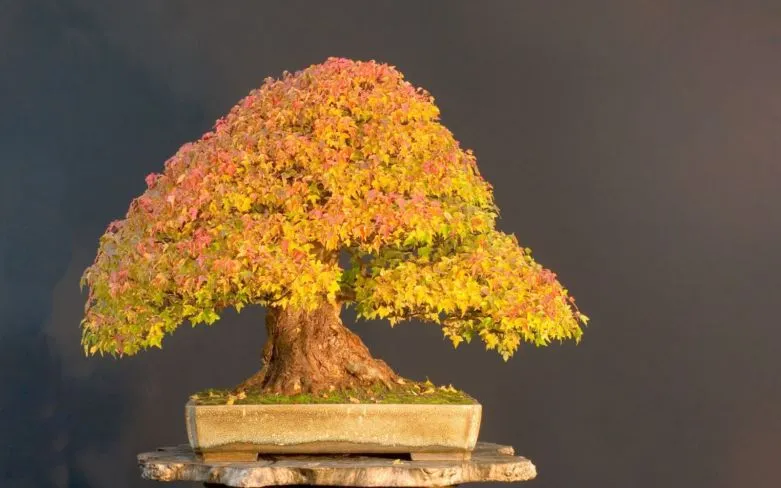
column 60, row 79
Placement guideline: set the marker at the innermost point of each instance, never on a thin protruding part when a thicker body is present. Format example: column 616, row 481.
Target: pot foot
column 441, row 456
column 229, row 457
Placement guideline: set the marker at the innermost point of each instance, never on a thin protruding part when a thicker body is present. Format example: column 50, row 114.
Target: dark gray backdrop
column 633, row 145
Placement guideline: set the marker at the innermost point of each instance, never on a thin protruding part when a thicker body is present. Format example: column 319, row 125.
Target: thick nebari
column 240, row 432
column 313, row 352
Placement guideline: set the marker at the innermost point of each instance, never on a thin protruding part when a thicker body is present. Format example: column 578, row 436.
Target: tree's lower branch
column 346, row 296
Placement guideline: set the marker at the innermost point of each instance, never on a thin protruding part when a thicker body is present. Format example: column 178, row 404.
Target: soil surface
column 407, row 392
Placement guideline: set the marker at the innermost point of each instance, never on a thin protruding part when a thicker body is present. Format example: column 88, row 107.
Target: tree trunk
column 313, row 352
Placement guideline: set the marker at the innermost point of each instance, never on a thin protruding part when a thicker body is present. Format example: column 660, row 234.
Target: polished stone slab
column 489, row 462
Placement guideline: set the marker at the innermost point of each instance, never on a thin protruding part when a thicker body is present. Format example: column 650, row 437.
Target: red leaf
column 151, row 179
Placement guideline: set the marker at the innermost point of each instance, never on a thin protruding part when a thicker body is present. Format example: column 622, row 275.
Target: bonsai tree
column 343, row 157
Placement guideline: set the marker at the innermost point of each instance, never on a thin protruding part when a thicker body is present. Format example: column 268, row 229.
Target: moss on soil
column 409, row 392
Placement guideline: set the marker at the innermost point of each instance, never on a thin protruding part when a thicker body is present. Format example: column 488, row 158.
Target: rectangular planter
column 240, row 432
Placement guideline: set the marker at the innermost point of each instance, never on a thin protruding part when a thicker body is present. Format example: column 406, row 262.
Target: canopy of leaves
column 343, row 155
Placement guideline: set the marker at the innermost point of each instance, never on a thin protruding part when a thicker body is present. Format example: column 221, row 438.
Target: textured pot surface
column 333, row 428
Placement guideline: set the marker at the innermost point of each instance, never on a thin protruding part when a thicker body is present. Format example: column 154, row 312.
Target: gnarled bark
column 312, row 352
